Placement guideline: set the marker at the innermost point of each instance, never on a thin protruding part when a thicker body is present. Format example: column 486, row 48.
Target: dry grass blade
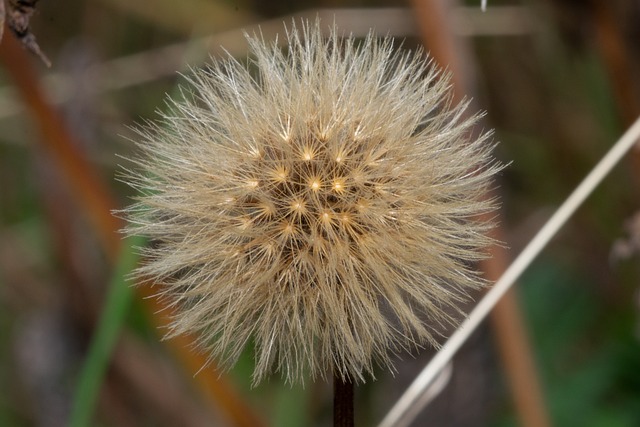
column 436, row 22
column 398, row 414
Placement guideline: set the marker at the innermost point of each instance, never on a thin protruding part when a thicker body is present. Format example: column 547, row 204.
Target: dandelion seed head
column 322, row 206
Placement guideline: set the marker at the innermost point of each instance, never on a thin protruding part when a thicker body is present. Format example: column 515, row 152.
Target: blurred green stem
column 118, row 301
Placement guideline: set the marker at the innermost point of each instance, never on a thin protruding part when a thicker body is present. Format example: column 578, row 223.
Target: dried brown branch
column 93, row 197
column 17, row 14
column 616, row 54
column 168, row 398
column 96, row 200
column 217, row 390
column 512, row 340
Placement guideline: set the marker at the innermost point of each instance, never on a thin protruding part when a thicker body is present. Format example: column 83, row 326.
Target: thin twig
column 526, row 257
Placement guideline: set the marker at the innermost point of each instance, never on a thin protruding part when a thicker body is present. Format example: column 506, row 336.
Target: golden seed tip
column 288, row 228
column 362, row 204
column 315, row 184
column 266, row 209
column 280, row 174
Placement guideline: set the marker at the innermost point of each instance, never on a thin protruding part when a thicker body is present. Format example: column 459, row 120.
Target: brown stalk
column 433, row 18
column 217, row 390
column 95, row 199
column 81, row 178
column 55, row 199
column 506, row 319
column 343, row 402
column 133, row 365
column 514, row 347
column 172, row 404
column 616, row 55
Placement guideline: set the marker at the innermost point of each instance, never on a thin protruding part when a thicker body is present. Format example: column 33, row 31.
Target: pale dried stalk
column 402, row 413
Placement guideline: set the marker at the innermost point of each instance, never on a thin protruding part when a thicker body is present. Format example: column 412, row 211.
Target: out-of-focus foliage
column 558, row 93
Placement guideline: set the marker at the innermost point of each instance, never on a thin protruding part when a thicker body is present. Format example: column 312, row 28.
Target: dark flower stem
column 343, row 414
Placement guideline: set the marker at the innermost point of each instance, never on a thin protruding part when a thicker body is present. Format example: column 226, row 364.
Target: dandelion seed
column 338, row 185
column 329, row 209
column 315, row 184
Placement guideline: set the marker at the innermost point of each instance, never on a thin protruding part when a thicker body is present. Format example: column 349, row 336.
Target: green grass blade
column 118, row 301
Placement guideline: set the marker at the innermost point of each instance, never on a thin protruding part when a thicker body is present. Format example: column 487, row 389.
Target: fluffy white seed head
column 321, row 202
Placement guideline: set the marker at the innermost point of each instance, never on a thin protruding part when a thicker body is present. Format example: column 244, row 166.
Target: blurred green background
column 559, row 83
